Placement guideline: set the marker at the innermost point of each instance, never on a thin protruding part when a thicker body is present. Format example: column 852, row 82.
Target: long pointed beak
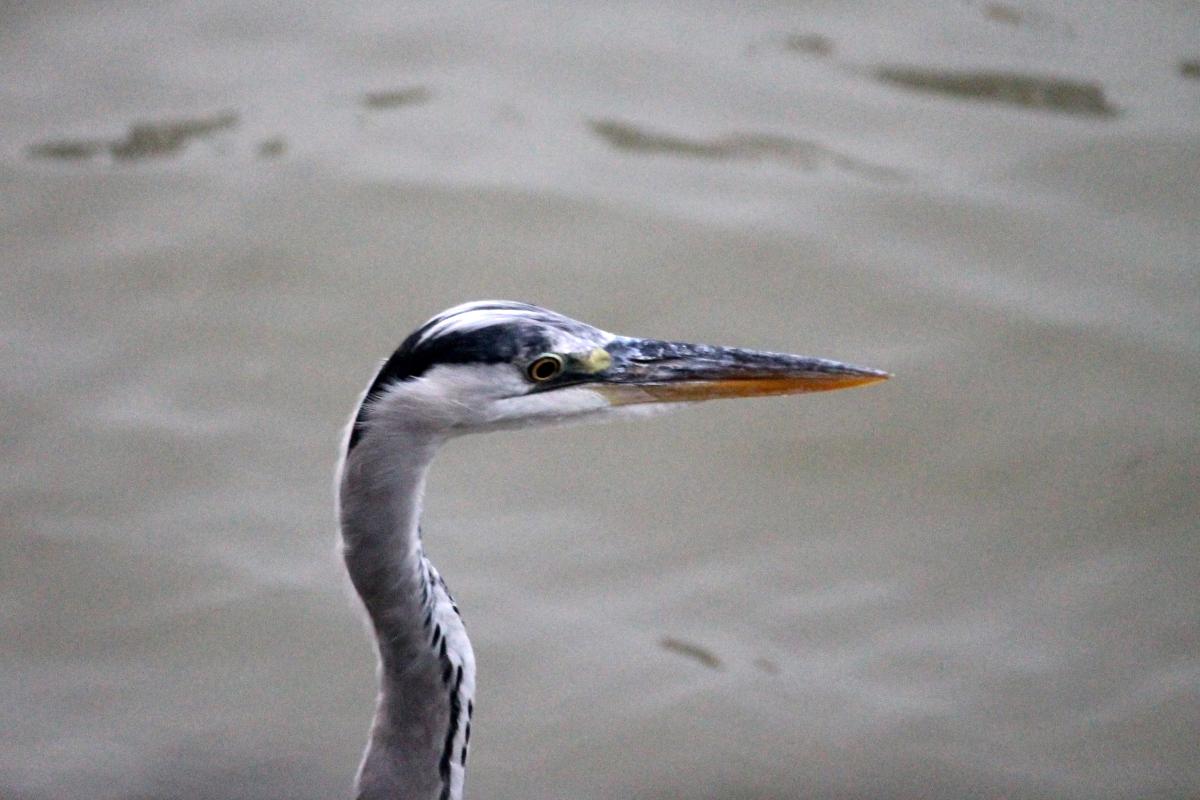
column 652, row 371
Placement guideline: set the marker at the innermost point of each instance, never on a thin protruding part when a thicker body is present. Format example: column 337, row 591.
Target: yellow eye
column 544, row 368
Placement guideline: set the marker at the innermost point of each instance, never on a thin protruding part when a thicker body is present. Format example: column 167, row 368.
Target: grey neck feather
column 417, row 747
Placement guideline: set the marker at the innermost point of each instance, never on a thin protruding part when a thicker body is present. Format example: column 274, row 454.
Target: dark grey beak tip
column 857, row 371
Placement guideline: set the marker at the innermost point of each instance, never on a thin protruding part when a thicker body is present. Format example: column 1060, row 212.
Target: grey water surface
column 980, row 579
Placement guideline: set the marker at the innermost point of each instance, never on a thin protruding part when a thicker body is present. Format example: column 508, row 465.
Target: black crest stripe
column 491, row 342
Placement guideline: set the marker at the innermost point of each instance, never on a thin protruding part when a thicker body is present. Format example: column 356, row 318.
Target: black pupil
column 544, row 369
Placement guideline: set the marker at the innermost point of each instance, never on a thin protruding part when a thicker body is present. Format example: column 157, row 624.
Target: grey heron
column 486, row 366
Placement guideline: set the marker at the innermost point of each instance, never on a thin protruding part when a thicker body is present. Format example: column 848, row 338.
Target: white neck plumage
column 418, row 744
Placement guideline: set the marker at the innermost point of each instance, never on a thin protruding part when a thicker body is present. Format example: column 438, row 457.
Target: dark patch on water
column 739, row 146
column 767, row 665
column 272, row 148
column 396, row 98
column 695, row 652
column 68, row 149
column 638, row 140
column 1027, row 91
column 809, row 44
column 143, row 139
column 167, row 137
column 813, row 44
column 1002, row 12
column 1190, row 68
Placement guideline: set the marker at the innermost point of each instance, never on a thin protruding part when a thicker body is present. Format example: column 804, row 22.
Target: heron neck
column 380, row 496
column 382, row 485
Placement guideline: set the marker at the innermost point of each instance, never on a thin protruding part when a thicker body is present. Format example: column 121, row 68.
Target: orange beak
column 652, row 371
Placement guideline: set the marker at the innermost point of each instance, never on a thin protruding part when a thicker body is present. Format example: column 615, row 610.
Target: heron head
column 493, row 365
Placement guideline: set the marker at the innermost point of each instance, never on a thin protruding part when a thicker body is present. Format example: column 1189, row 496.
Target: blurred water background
column 981, row 579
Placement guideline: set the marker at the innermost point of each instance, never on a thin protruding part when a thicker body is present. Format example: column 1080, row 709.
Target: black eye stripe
column 504, row 338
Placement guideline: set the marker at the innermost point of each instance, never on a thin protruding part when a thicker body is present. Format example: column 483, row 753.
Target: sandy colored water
column 981, row 579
